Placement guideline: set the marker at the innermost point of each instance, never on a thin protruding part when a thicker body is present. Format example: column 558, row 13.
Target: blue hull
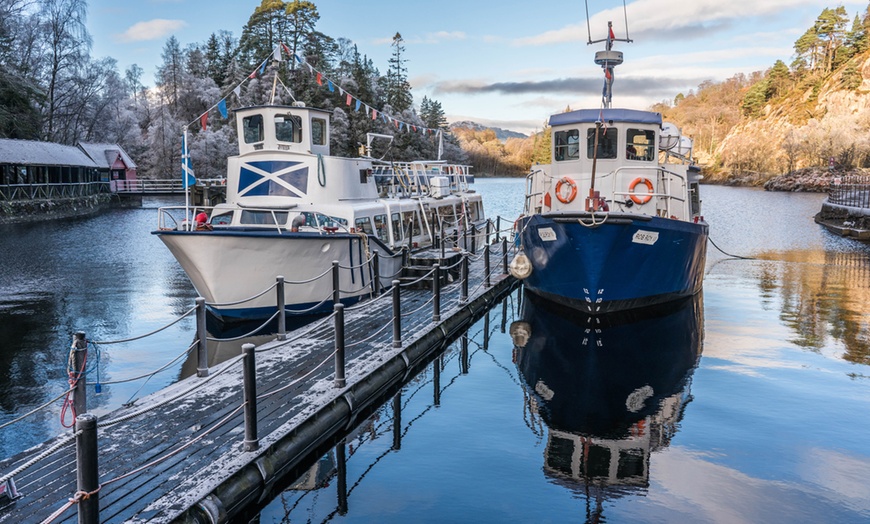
column 629, row 261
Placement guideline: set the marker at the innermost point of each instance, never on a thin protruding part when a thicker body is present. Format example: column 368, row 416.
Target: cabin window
column 640, row 144
column 398, row 231
column 606, row 142
column 222, row 219
column 364, row 224
column 409, row 217
column 263, row 218
column 252, row 127
column 567, row 145
column 288, row 128
column 318, row 131
column 474, row 211
column 381, row 228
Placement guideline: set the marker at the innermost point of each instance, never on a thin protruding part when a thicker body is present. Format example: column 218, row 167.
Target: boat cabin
column 295, row 128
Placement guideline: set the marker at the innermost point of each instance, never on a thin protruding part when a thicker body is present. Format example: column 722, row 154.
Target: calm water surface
column 747, row 405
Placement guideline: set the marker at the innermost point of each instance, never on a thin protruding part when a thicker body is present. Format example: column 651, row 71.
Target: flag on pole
column 186, row 167
column 612, row 37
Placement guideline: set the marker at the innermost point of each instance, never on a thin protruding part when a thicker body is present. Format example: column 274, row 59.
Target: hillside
column 500, row 134
column 809, row 118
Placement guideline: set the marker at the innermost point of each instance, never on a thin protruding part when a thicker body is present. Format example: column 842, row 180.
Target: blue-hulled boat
column 614, row 221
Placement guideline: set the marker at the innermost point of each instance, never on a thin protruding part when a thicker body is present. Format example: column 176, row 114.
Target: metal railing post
column 336, row 293
column 504, row 256
column 87, row 468
column 463, row 355
column 473, row 238
column 397, row 421
column 201, row 339
column 341, row 485
column 436, row 293
column 282, row 320
column 486, row 264
column 436, row 381
column 80, row 356
column 376, row 274
column 463, row 295
column 397, row 315
column 249, row 371
column 340, row 381
column 497, row 228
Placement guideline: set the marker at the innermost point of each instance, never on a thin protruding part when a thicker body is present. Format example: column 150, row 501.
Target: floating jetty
column 210, row 447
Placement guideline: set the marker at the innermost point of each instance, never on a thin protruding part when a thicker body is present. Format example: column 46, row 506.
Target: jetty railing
column 16, row 192
column 850, row 190
column 85, row 432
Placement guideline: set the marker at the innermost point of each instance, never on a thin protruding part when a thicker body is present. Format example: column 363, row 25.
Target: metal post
column 80, row 356
column 488, row 229
column 463, row 296
column 443, row 249
column 436, row 380
column 504, row 256
column 341, row 485
column 486, row 331
column 503, row 315
column 486, row 264
column 376, row 274
column 397, row 421
column 436, row 293
column 473, row 238
column 497, row 228
column 340, row 381
column 249, row 371
column 87, row 468
column 201, row 339
column 336, row 293
column 397, row 315
column 282, row 320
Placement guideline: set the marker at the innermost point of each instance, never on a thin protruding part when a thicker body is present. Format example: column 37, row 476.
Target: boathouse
column 113, row 163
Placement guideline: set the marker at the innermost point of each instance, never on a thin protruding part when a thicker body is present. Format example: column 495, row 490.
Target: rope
column 298, row 380
column 321, row 171
column 59, row 444
column 308, row 330
column 74, row 377
column 22, row 417
column 406, row 284
column 78, row 497
column 258, row 295
column 149, row 375
column 373, row 335
column 246, row 335
column 158, row 330
column 367, row 303
column 729, row 254
column 409, row 313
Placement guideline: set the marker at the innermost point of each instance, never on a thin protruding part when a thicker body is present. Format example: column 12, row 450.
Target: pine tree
column 398, row 89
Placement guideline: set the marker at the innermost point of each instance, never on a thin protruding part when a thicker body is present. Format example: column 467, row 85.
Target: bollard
column 397, row 421
column 87, row 468
column 397, row 316
column 486, row 264
column 376, row 271
column 504, row 256
column 336, row 293
column 463, row 295
column 436, row 293
column 341, row 485
column 340, row 382
column 282, row 320
column 249, row 371
column 80, row 357
column 201, row 339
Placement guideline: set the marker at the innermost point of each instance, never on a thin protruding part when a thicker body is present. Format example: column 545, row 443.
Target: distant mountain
column 500, row 134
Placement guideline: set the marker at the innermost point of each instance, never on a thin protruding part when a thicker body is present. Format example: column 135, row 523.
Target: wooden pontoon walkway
column 198, row 423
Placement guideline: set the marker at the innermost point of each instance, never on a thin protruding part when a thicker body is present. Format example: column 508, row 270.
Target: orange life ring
column 571, row 195
column 641, row 200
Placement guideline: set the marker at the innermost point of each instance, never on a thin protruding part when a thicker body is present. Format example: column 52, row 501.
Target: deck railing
column 12, row 192
column 851, row 190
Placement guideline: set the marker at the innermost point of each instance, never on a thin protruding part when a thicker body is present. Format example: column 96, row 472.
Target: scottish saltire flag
column 273, row 178
column 186, row 167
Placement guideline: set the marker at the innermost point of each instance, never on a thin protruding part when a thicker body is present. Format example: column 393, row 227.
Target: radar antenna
column 608, row 59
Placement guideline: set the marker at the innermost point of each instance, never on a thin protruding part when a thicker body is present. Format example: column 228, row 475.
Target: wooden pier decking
column 195, row 428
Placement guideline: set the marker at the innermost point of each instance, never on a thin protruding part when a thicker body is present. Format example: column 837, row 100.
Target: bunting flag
column 348, row 99
column 287, row 50
column 276, row 54
column 374, row 114
column 319, row 79
column 298, row 58
column 186, row 168
column 263, row 67
column 329, row 84
column 203, row 120
column 358, row 103
column 222, row 107
column 238, row 91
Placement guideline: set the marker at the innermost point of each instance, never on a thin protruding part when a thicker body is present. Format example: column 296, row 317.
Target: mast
column 608, row 59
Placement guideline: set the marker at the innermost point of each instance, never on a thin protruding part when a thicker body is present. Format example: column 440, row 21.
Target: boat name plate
column 547, row 234
column 645, row 237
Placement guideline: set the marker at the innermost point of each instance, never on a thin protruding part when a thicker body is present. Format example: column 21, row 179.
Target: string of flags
column 350, row 99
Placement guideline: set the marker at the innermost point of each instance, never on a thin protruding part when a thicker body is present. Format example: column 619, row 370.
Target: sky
column 504, row 63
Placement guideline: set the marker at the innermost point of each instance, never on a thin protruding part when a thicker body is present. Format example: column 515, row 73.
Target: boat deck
column 172, row 449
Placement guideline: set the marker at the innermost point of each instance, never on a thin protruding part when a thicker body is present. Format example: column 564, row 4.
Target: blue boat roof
column 590, row 116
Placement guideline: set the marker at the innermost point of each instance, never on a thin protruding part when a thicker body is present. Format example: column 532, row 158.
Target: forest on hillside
column 52, row 89
column 792, row 116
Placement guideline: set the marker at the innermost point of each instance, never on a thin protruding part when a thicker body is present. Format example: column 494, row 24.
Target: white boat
column 292, row 209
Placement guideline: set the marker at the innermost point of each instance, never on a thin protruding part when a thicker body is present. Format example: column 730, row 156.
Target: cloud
column 150, row 30
column 637, row 86
column 664, row 19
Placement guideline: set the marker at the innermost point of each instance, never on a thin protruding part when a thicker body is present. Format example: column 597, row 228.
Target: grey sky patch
column 633, row 86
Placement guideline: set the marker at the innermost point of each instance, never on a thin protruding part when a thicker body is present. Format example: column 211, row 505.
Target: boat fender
column 520, row 267
column 641, row 199
column 572, row 193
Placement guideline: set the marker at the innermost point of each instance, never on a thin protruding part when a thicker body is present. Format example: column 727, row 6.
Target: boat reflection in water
column 611, row 389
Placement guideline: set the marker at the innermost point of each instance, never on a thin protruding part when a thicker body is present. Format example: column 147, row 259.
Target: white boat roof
column 590, row 116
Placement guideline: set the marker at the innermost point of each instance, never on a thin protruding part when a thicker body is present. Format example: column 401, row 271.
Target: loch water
column 746, row 404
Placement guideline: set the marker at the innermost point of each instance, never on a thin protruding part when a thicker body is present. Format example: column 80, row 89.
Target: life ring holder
column 571, row 195
column 641, row 199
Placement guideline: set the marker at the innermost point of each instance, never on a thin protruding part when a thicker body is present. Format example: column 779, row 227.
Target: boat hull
column 629, row 261
column 230, row 266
